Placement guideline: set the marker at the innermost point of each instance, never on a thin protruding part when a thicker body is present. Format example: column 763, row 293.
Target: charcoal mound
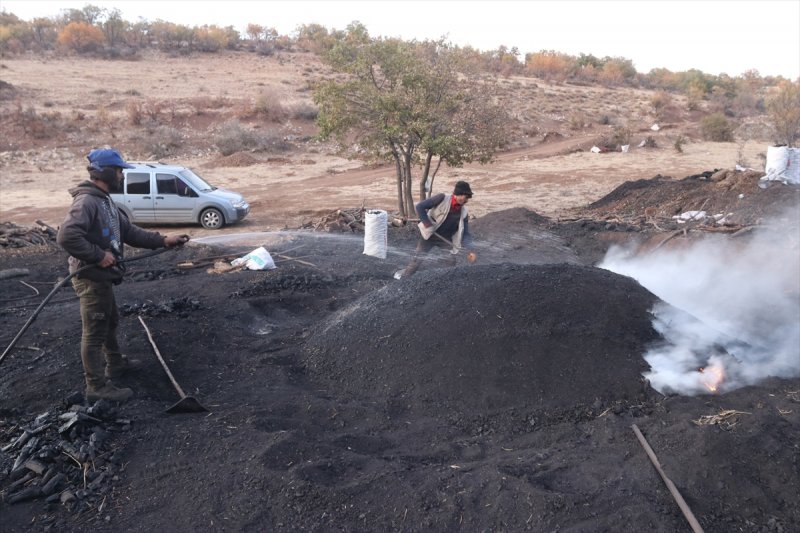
column 479, row 339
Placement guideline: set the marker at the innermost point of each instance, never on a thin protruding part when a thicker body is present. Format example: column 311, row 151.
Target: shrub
column 576, row 120
column 81, row 37
column 659, row 102
column 622, row 135
column 33, row 124
column 680, row 140
column 550, row 65
column 784, row 111
column 717, row 128
column 305, row 111
column 135, row 112
column 163, row 141
column 269, row 105
column 234, row 138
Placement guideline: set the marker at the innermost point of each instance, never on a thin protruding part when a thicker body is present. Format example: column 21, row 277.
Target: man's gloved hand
column 471, row 257
column 176, row 240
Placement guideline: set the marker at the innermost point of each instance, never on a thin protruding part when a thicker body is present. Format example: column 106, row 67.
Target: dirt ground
column 497, row 396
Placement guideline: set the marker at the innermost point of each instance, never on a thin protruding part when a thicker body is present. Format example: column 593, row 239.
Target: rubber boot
column 117, row 365
column 108, row 392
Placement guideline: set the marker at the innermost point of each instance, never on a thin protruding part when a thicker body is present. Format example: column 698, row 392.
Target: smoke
column 730, row 310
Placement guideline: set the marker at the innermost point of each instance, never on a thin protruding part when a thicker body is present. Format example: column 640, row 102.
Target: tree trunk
column 401, row 206
column 425, row 192
column 398, row 167
column 409, row 195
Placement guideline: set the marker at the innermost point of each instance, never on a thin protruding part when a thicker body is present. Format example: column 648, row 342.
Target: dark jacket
column 93, row 226
column 436, row 216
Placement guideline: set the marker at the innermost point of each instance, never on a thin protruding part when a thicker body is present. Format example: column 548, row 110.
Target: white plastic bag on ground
column 690, row 216
column 376, row 233
column 258, row 259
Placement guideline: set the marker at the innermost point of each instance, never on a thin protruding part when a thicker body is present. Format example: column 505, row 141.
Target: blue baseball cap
column 99, row 158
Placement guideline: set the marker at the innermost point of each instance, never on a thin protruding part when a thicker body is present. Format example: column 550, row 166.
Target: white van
column 155, row 193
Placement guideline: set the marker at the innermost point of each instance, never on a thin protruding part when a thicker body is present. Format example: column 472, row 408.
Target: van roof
column 141, row 165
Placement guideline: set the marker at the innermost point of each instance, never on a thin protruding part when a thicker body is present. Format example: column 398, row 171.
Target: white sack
column 783, row 164
column 258, row 259
column 376, row 233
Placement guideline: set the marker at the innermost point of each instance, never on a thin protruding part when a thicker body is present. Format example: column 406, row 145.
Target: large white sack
column 376, row 233
column 793, row 168
column 783, row 164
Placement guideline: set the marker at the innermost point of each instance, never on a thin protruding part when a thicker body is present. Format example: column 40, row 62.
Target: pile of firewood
column 344, row 220
column 14, row 236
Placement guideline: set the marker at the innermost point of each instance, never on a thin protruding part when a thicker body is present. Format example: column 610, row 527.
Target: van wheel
column 212, row 219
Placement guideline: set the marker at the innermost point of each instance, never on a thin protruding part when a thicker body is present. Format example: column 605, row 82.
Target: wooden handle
column 670, row 485
column 161, row 359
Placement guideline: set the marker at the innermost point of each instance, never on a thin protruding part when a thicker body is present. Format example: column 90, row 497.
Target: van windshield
column 196, row 181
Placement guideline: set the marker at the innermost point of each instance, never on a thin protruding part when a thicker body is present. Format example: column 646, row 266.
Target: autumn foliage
column 81, row 37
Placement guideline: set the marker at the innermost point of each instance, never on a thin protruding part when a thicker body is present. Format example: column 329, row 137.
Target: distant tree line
column 99, row 32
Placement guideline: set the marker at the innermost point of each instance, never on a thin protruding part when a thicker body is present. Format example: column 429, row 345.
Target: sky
column 714, row 36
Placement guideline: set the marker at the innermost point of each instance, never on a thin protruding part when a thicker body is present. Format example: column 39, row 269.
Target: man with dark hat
column 444, row 222
column 93, row 233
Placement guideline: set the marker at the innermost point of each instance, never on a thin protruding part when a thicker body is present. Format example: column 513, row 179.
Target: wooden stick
column 695, row 525
column 286, row 257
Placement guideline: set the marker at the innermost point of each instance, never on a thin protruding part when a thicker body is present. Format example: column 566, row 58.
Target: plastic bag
column 258, row 259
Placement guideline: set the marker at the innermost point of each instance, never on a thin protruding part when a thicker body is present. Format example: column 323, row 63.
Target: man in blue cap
column 93, row 233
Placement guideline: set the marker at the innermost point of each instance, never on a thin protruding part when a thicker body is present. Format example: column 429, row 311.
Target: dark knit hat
column 462, row 187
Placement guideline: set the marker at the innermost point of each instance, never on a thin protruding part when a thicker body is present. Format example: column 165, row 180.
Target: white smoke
column 730, row 306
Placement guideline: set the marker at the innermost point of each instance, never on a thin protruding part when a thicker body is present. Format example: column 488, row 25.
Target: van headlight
column 238, row 204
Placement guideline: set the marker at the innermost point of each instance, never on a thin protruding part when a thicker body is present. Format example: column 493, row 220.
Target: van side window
column 138, row 182
column 183, row 188
column 166, row 184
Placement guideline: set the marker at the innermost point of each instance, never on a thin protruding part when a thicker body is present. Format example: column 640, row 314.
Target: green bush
column 717, row 128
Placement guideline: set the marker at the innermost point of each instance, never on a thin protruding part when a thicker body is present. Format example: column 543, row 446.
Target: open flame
column 712, row 376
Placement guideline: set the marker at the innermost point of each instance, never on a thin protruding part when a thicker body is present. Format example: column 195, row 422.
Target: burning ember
column 712, row 376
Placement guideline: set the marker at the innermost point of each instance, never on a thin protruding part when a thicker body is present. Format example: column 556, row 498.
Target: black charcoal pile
column 63, row 457
column 174, row 306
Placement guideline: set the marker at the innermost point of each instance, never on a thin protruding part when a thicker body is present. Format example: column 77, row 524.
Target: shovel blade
column 187, row 404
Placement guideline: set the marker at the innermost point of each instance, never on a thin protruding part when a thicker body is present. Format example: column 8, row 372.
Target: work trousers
column 100, row 319
column 424, row 246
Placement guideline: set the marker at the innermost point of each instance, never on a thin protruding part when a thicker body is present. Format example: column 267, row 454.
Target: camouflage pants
column 100, row 319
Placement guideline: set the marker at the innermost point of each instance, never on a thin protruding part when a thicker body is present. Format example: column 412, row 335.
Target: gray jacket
column 93, row 226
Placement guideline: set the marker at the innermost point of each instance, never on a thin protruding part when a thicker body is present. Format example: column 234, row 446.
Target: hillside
column 495, row 396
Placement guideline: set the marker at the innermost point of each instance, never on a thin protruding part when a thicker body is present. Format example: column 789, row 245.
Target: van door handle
column 147, row 197
column 159, row 197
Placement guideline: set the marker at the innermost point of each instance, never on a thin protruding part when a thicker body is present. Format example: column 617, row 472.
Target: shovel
column 471, row 257
column 187, row 404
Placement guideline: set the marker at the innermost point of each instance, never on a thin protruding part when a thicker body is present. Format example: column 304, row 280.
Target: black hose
column 61, row 284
